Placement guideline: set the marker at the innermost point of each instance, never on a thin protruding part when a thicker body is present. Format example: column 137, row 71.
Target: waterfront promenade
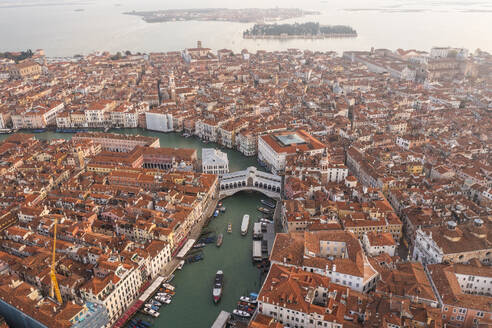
column 194, row 234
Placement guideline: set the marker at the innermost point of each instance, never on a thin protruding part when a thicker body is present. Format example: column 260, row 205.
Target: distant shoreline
column 246, row 15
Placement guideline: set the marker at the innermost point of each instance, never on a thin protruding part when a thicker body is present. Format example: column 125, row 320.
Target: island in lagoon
column 247, row 15
column 309, row 30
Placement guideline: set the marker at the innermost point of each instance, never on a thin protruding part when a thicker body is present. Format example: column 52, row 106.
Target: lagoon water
column 59, row 27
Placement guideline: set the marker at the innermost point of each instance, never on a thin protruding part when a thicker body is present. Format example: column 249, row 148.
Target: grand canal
column 192, row 306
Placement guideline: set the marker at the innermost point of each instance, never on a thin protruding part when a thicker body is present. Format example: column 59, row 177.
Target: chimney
column 451, row 225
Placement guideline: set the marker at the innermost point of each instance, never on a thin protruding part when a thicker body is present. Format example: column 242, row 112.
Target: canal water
column 192, row 306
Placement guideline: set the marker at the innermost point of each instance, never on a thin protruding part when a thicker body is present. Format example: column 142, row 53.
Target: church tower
column 172, row 86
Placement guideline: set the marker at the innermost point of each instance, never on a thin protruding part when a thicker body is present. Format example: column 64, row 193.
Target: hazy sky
column 55, row 26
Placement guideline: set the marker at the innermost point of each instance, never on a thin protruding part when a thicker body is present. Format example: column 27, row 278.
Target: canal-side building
column 159, row 121
column 335, row 254
column 304, row 299
column 159, row 256
column 247, row 142
column 274, row 148
column 179, row 159
column 115, row 287
column 214, row 161
column 117, row 142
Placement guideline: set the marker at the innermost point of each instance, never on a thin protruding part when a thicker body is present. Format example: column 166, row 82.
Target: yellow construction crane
column 54, row 284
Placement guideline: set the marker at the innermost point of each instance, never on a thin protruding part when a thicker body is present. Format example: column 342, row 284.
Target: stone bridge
column 253, row 180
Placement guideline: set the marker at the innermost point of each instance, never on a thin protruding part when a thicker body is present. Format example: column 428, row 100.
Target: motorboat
column 218, row 284
column 244, row 225
column 264, row 210
column 155, row 302
column 267, row 203
column 195, row 258
column 248, row 300
column 151, row 306
column 240, row 313
column 163, row 300
column 199, row 245
column 229, row 228
column 220, row 239
column 168, row 286
column 151, row 312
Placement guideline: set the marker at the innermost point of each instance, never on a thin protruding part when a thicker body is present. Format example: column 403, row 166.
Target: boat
column 220, row 239
column 246, row 308
column 229, row 228
column 263, row 220
column 244, row 225
column 267, row 203
column 106, row 129
column 264, row 210
column 207, row 240
column 163, row 299
column 70, row 130
column 155, row 302
column 218, row 283
column 195, row 258
column 199, row 245
column 5, row 131
column 222, row 209
column 151, row 312
column 151, row 306
column 38, row 130
column 181, row 264
column 219, row 204
column 242, row 314
column 216, row 213
column 144, row 323
column 168, row 286
column 248, row 300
